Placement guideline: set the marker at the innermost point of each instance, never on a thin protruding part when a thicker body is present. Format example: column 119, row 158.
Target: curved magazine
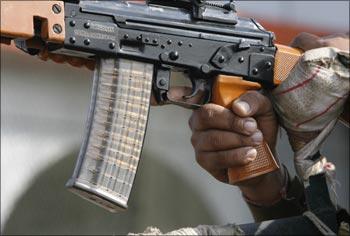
column 115, row 130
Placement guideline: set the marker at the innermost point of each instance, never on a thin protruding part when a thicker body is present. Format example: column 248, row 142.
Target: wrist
column 268, row 190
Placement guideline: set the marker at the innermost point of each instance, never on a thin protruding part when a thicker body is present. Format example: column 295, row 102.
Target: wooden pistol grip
column 225, row 90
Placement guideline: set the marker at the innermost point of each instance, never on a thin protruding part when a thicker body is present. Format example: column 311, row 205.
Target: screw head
column 262, row 49
column 268, row 64
column 162, row 82
column 221, row 59
column 241, row 59
column 126, row 36
column 87, row 42
column 255, row 71
column 205, row 68
column 72, row 23
column 57, row 28
column 72, row 40
column 87, row 25
column 174, row 55
column 155, row 41
column 112, row 45
column 163, row 57
column 56, row 8
column 232, row 6
column 146, row 40
column 169, row 41
column 180, row 43
column 139, row 37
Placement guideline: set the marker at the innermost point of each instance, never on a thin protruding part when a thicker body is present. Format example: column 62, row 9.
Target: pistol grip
column 225, row 90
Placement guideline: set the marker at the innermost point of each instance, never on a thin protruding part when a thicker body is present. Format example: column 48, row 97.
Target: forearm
column 267, row 190
column 273, row 200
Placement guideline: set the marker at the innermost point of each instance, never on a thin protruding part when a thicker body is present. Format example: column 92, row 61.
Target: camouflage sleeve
column 291, row 204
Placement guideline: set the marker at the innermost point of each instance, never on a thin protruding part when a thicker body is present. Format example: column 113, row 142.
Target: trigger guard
column 197, row 85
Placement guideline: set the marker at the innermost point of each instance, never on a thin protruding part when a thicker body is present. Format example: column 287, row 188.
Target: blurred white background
column 44, row 107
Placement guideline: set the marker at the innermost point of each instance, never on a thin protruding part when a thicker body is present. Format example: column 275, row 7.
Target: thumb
column 252, row 103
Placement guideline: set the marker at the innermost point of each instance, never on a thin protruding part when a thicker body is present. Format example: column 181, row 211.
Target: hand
column 306, row 41
column 223, row 139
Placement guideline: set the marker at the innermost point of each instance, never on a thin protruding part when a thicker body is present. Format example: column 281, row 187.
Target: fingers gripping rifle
column 136, row 46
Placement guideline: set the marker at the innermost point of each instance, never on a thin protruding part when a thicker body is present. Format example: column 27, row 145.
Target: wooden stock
column 228, row 88
column 18, row 17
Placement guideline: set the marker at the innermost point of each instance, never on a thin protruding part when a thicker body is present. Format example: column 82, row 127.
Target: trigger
column 196, row 86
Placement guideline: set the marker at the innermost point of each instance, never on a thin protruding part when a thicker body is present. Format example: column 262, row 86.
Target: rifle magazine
column 115, row 130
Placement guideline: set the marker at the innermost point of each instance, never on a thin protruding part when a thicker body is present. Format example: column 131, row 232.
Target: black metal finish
column 203, row 37
column 317, row 195
column 317, row 201
column 161, row 83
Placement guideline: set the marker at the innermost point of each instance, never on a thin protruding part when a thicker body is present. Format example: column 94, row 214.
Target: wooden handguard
column 227, row 88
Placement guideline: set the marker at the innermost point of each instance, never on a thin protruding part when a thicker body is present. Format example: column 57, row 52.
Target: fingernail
column 251, row 154
column 250, row 126
column 257, row 137
column 243, row 106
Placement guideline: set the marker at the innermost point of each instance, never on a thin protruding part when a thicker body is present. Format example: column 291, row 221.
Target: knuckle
column 266, row 105
column 198, row 158
column 235, row 157
column 247, row 141
column 259, row 103
column 225, row 157
column 302, row 36
column 253, row 96
column 264, row 102
column 323, row 43
column 215, row 140
column 237, row 124
column 195, row 120
column 193, row 141
column 206, row 113
column 201, row 160
column 241, row 141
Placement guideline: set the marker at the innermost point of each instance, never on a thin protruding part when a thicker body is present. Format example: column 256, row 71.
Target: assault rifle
column 136, row 46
